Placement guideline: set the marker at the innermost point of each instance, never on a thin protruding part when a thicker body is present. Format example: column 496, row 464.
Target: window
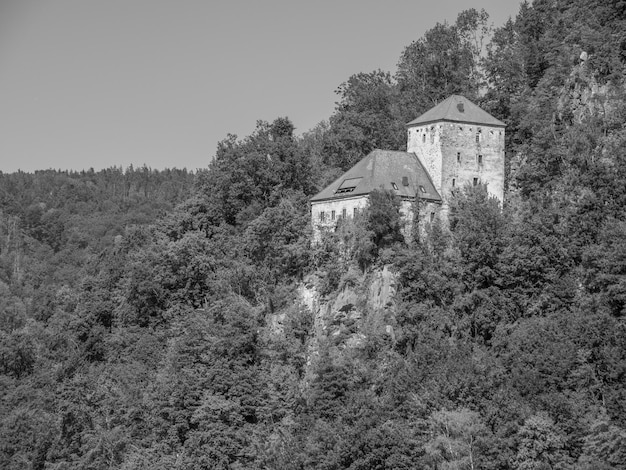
column 355, row 212
column 432, row 137
column 453, row 182
column 394, row 185
column 348, row 185
column 343, row 213
column 423, row 138
column 475, row 182
column 478, row 136
column 322, row 216
column 332, row 215
column 432, row 216
column 458, row 157
column 480, row 159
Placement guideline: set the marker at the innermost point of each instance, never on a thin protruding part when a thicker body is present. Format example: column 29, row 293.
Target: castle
column 454, row 144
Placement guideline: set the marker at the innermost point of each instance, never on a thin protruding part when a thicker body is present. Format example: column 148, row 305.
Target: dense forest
column 170, row 319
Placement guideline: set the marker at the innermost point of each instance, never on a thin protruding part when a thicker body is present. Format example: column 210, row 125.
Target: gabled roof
column 380, row 169
column 457, row 108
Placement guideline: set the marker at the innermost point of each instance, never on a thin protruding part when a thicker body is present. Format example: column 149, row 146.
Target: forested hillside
column 168, row 319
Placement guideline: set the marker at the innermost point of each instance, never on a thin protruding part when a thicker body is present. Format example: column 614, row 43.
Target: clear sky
column 100, row 83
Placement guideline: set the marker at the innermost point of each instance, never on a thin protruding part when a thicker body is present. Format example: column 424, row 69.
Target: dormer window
column 422, row 189
column 348, row 185
column 394, row 185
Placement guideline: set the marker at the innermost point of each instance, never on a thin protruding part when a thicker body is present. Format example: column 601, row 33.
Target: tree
column 440, row 64
column 605, row 267
column 249, row 175
column 278, row 239
column 17, row 353
column 541, row 445
column 366, row 117
column 457, row 438
column 474, row 29
column 383, row 218
column 604, row 447
column 478, row 230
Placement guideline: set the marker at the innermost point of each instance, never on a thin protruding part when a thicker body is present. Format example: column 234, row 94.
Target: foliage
column 367, row 117
column 153, row 319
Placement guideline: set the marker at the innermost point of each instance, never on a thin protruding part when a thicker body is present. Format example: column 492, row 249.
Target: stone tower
column 459, row 144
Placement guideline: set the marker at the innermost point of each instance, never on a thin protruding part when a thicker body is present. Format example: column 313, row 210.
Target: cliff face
column 345, row 321
column 583, row 97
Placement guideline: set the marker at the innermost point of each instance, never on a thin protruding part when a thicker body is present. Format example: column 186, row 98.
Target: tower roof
column 382, row 169
column 457, row 108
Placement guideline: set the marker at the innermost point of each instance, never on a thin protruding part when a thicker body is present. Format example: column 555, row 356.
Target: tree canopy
column 169, row 319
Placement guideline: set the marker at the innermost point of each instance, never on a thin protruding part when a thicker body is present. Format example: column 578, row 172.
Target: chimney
column 405, row 181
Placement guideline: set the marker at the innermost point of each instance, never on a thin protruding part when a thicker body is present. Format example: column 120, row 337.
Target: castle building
column 452, row 145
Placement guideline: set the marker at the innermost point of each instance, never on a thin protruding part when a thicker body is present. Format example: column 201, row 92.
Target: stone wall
column 459, row 154
column 425, row 142
column 473, row 153
column 333, row 210
column 428, row 212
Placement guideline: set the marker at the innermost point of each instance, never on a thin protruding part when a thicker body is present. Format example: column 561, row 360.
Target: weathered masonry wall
column 473, row 153
column 457, row 154
column 325, row 214
column 425, row 142
column 428, row 212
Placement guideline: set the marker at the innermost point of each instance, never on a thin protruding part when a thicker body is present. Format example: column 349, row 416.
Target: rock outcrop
column 346, row 320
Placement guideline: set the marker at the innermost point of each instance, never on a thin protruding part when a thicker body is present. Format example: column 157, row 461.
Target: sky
column 101, row 83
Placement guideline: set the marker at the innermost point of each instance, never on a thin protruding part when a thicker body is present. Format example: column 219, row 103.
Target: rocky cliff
column 345, row 321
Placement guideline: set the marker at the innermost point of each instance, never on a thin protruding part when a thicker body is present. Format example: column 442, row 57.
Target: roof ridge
column 470, row 112
column 380, row 169
column 430, row 179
